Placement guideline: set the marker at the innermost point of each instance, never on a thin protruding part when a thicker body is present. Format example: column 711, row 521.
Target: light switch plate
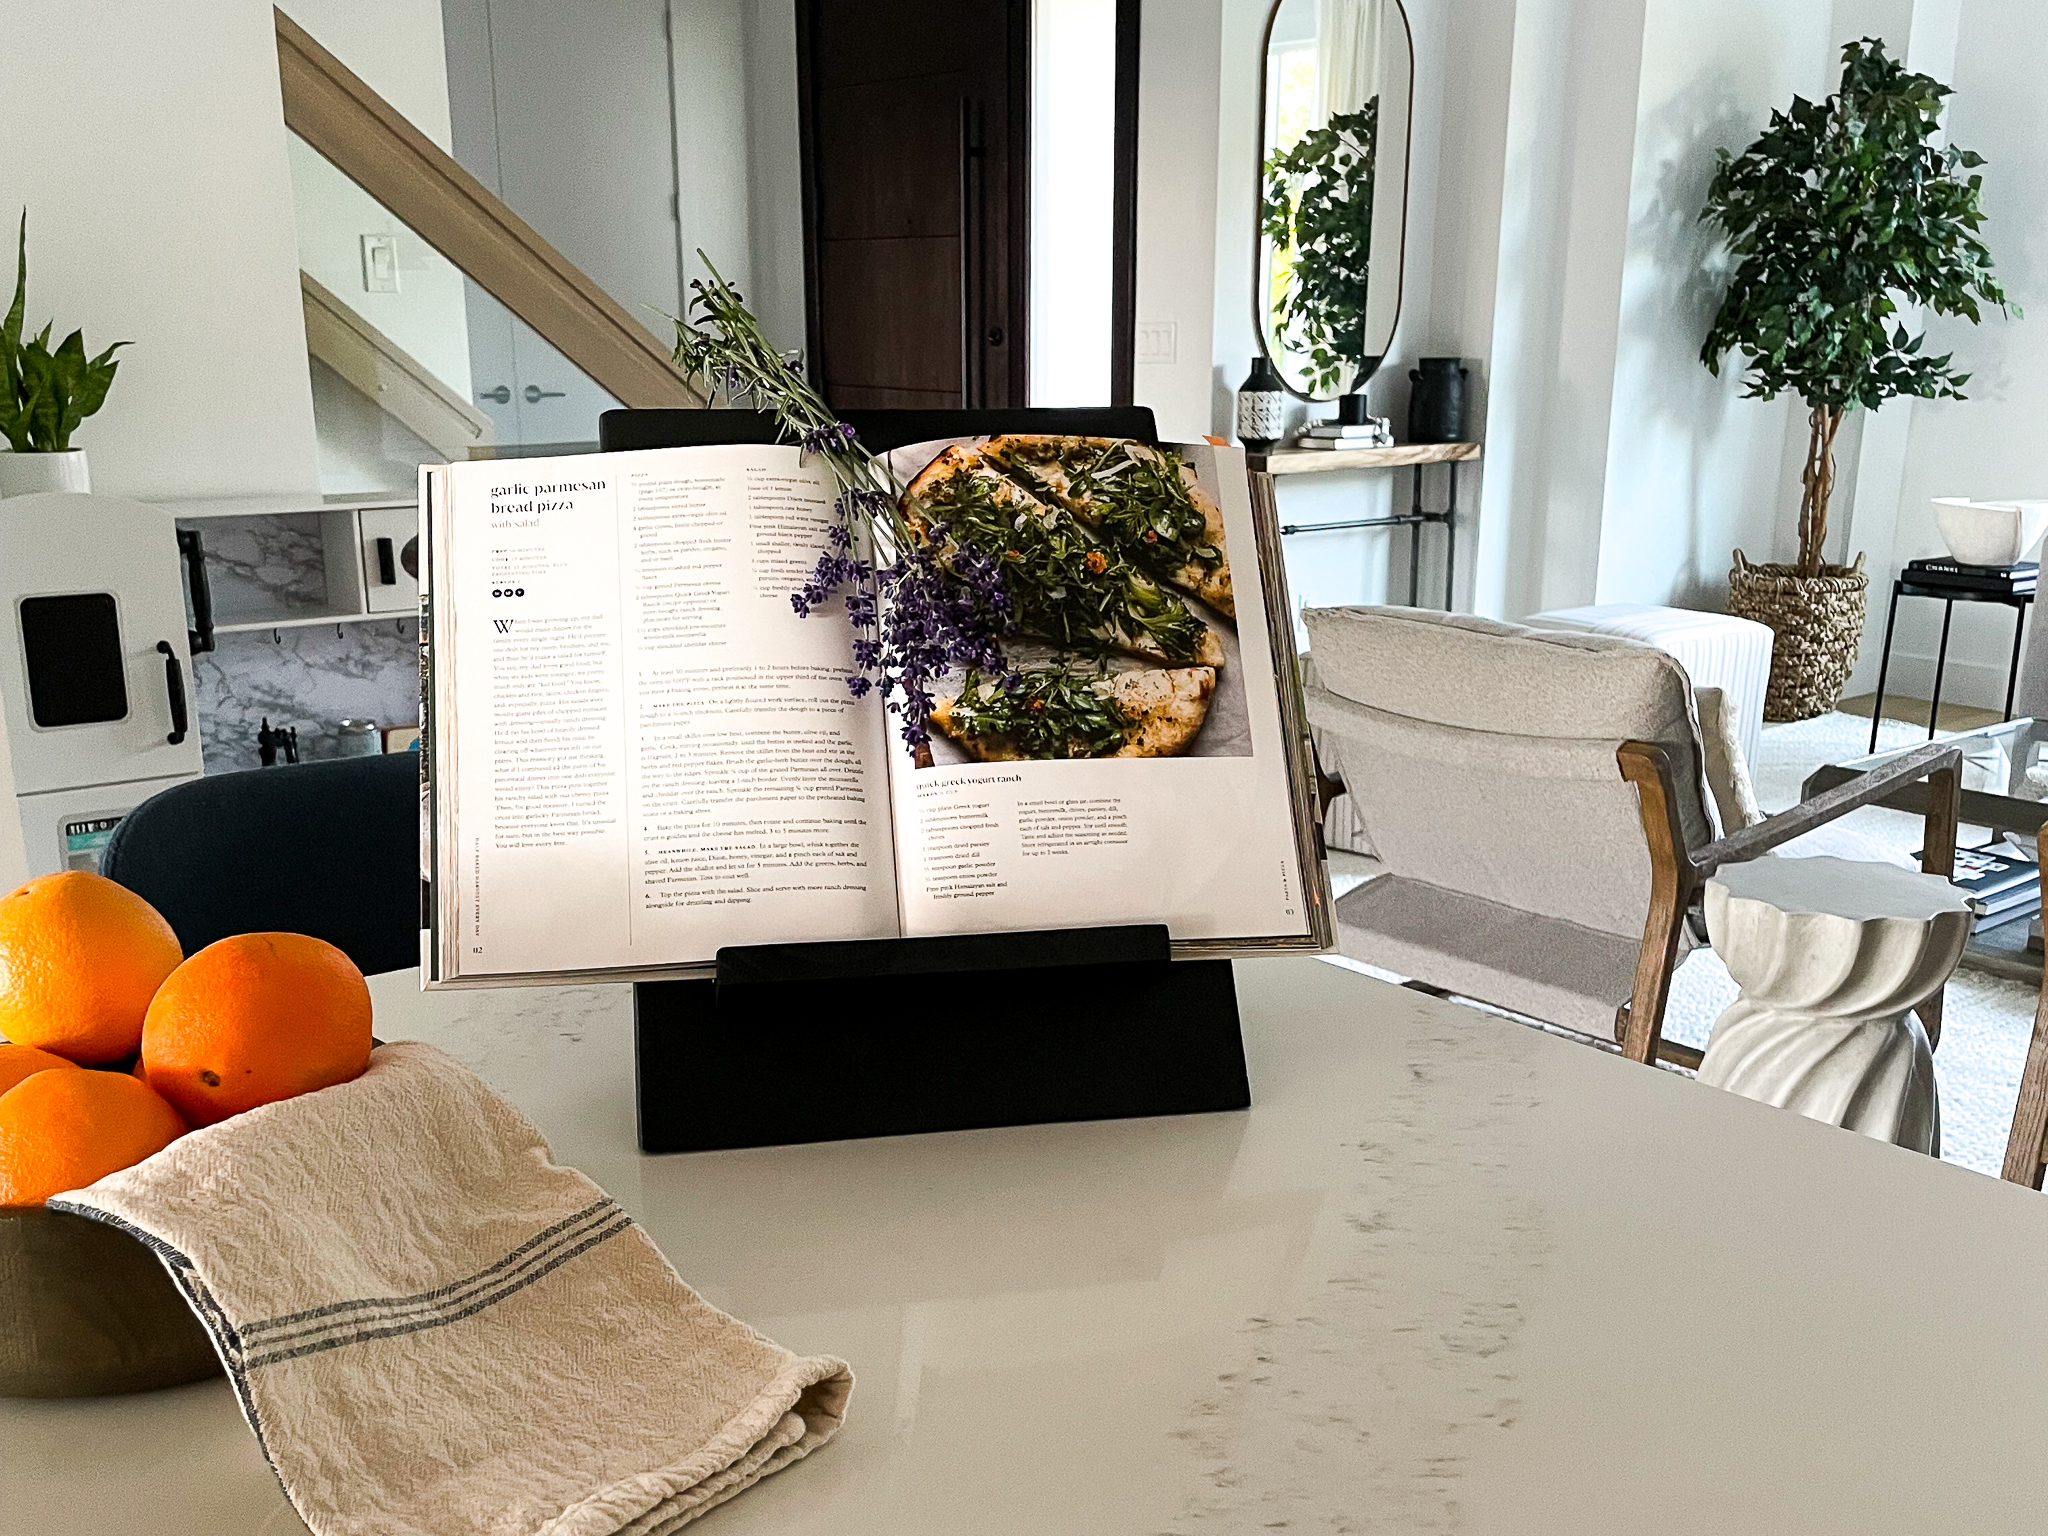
column 380, row 263
column 1158, row 341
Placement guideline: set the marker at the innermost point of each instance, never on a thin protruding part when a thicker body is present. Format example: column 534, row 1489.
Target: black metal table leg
column 1451, row 542
column 2012, row 673
column 1884, row 661
column 1415, row 542
column 1948, row 612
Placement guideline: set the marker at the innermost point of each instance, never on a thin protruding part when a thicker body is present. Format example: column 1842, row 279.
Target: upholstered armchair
column 1541, row 811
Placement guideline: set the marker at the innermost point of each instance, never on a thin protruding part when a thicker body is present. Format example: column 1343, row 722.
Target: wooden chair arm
column 1328, row 785
column 2025, row 1155
column 1677, row 873
column 1922, row 763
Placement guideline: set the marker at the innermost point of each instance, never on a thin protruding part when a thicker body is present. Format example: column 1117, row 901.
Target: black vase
column 1436, row 404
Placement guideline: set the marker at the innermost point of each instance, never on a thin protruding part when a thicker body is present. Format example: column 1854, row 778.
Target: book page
column 654, row 756
column 1203, row 837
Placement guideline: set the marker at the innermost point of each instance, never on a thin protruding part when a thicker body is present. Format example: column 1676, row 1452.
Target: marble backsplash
column 312, row 677
column 265, row 565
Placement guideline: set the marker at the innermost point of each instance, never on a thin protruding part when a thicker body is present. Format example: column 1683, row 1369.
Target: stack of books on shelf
column 2005, row 886
column 1373, row 432
column 1948, row 575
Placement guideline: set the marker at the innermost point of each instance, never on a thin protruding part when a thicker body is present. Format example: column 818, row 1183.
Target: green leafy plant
column 1043, row 712
column 1317, row 212
column 1842, row 211
column 45, row 394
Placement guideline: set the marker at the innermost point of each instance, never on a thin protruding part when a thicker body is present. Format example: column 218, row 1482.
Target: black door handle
column 174, row 685
column 192, row 550
column 387, row 564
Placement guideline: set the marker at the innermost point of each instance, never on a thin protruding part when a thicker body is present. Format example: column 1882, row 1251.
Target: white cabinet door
column 91, row 587
column 385, row 533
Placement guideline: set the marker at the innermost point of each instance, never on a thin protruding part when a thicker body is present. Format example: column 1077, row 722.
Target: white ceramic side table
column 1831, row 955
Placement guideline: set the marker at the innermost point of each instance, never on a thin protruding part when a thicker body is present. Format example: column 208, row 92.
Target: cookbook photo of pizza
column 1121, row 640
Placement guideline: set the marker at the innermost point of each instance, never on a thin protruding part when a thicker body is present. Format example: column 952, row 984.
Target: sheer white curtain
column 1348, row 37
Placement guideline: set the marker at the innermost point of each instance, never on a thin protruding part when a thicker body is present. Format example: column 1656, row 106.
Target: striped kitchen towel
column 432, row 1327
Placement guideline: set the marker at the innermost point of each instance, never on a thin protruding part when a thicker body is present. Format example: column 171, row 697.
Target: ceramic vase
column 24, row 474
column 1989, row 532
column 1436, row 401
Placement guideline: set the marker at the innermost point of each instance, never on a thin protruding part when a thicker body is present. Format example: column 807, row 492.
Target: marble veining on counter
column 1322, row 1427
column 311, row 677
column 1448, row 1274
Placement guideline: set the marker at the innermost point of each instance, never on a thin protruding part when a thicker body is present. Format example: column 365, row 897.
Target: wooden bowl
column 86, row 1310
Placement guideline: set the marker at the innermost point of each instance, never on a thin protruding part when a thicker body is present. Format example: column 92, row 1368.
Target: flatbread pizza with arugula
column 1052, row 713
column 1100, row 542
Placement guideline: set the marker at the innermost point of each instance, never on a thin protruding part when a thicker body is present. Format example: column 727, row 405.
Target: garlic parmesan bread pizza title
column 536, row 500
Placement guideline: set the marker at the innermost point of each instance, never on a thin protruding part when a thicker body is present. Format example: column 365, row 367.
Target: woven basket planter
column 1818, row 624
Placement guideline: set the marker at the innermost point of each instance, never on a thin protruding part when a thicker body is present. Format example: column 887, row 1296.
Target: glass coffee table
column 2005, row 788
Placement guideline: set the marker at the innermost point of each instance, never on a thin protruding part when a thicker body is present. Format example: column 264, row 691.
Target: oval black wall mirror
column 1333, row 189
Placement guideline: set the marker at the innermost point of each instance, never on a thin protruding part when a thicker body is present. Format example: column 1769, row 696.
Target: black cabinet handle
column 174, row 685
column 192, row 551
column 387, row 564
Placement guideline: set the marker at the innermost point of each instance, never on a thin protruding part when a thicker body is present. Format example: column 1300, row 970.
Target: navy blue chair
column 327, row 848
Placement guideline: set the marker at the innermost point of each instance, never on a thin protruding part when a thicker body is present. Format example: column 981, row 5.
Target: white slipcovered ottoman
column 1717, row 650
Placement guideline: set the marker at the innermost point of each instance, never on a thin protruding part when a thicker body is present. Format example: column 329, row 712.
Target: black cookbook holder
column 888, row 1037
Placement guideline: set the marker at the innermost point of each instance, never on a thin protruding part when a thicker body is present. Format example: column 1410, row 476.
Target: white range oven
column 95, row 667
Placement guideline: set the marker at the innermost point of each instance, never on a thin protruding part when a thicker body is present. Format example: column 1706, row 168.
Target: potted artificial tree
column 44, row 395
column 1842, row 212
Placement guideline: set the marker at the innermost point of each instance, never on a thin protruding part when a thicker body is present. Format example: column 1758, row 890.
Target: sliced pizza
column 1070, row 588
column 1141, row 500
column 1052, row 713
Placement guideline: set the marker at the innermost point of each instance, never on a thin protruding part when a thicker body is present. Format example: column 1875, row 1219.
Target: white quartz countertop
column 1449, row 1274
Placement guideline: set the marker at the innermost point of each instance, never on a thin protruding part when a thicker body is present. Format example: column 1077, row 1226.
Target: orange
column 20, row 1061
column 80, row 958
column 62, row 1130
column 254, row 1019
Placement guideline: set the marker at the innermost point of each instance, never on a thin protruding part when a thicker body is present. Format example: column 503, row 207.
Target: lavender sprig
column 919, row 606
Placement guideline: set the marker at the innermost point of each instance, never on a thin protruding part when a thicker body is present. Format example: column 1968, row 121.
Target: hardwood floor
column 1954, row 717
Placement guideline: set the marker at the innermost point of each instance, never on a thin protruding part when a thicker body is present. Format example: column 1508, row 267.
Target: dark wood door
column 914, row 129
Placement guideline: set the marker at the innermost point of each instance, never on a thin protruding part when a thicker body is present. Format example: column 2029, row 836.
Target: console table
column 1313, row 461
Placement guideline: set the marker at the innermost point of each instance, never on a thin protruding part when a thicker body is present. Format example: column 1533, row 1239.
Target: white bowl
column 1990, row 532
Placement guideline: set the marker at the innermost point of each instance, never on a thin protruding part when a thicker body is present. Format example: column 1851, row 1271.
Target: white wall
column 1562, row 150
column 1693, row 470
column 1179, row 69
column 1462, row 50
column 775, row 176
column 160, row 212
column 712, row 130
column 1990, row 445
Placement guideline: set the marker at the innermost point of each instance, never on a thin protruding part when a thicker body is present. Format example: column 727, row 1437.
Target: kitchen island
column 1448, row 1274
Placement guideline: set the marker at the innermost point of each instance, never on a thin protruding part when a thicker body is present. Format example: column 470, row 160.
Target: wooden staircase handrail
column 373, row 144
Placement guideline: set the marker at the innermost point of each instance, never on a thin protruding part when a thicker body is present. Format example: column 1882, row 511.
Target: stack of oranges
column 91, row 976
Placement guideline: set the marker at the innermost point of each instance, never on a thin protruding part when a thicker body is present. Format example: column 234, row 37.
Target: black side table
column 2011, row 586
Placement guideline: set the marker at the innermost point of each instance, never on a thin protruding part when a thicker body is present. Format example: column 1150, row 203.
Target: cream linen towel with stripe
column 433, row 1328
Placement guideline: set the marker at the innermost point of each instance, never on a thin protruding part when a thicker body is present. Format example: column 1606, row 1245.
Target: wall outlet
column 1158, row 341
column 380, row 263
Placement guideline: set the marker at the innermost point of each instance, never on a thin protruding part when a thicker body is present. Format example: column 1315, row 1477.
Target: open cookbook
column 636, row 750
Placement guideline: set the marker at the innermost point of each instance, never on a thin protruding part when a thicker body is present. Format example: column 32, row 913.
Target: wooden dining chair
column 2025, row 1154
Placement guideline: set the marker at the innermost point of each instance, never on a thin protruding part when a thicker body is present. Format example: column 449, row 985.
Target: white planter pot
column 23, row 474
column 1990, row 532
